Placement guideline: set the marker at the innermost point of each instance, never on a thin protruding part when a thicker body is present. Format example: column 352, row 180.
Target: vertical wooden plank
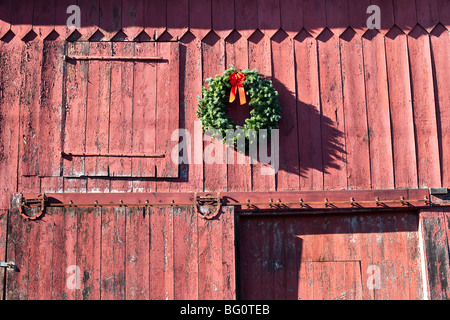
column 42, row 254
column 98, row 112
column 177, row 17
column 333, row 140
column 279, row 259
column 89, row 252
column 267, row 275
column 185, row 241
column 216, row 274
column 284, row 83
column 215, row 170
column 319, row 278
column 245, row 263
column 223, row 17
column 110, row 19
column 75, row 110
column 308, row 112
column 228, row 248
column 357, row 15
column 51, row 104
column 435, row 243
column 89, row 18
column 121, row 110
column 427, row 12
column 209, row 260
column 404, row 150
column 61, row 16
column 113, row 254
column 144, row 112
column 269, row 17
column 3, row 238
column 238, row 164
column 19, row 233
column 22, row 18
column 155, row 18
column 161, row 254
column 246, row 17
column 440, row 61
column 387, row 7
column 31, row 68
column 200, row 16
column 444, row 14
column 190, row 88
column 337, row 15
column 424, row 109
column 9, row 119
column 167, row 109
column 367, row 238
column 291, row 16
column 352, row 277
column 5, row 17
column 65, row 279
column 43, row 18
column 137, row 275
column 133, row 18
column 401, row 266
column 32, row 253
column 357, row 136
column 260, row 58
column 314, row 16
column 378, row 119
column 306, row 281
column 405, row 14
column 416, row 290
column 190, row 176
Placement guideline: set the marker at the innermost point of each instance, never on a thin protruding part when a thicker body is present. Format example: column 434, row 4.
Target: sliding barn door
column 121, row 253
column 372, row 256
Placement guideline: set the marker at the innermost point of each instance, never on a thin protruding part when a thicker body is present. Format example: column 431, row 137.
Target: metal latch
column 8, row 265
column 207, row 206
column 33, row 204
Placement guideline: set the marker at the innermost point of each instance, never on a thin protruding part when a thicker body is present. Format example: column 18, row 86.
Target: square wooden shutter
column 121, row 108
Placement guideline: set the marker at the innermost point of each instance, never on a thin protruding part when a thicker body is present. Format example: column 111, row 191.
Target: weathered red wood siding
column 121, row 253
column 371, row 106
column 368, row 256
column 362, row 109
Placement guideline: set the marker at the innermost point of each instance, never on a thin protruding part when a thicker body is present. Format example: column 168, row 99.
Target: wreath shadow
column 317, row 143
column 319, row 147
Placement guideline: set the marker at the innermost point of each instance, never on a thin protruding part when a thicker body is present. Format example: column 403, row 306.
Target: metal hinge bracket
column 207, row 206
column 8, row 265
column 37, row 204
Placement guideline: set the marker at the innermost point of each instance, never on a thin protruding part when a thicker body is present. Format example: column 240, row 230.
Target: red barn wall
column 362, row 109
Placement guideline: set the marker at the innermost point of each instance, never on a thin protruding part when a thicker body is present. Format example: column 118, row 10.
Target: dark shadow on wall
column 318, row 141
column 277, row 254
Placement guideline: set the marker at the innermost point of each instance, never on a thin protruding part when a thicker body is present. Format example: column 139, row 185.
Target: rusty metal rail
column 77, row 57
column 207, row 205
column 248, row 204
column 112, row 155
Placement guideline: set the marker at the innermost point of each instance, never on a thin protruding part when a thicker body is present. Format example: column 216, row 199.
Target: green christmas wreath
column 223, row 89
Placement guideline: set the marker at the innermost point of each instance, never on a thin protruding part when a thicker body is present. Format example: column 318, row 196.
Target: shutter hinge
column 9, row 265
column 33, row 208
column 207, row 206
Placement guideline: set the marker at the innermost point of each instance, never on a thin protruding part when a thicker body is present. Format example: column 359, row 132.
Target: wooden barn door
column 335, row 256
column 121, row 253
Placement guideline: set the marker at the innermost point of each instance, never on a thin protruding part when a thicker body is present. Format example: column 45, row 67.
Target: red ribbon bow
column 236, row 83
